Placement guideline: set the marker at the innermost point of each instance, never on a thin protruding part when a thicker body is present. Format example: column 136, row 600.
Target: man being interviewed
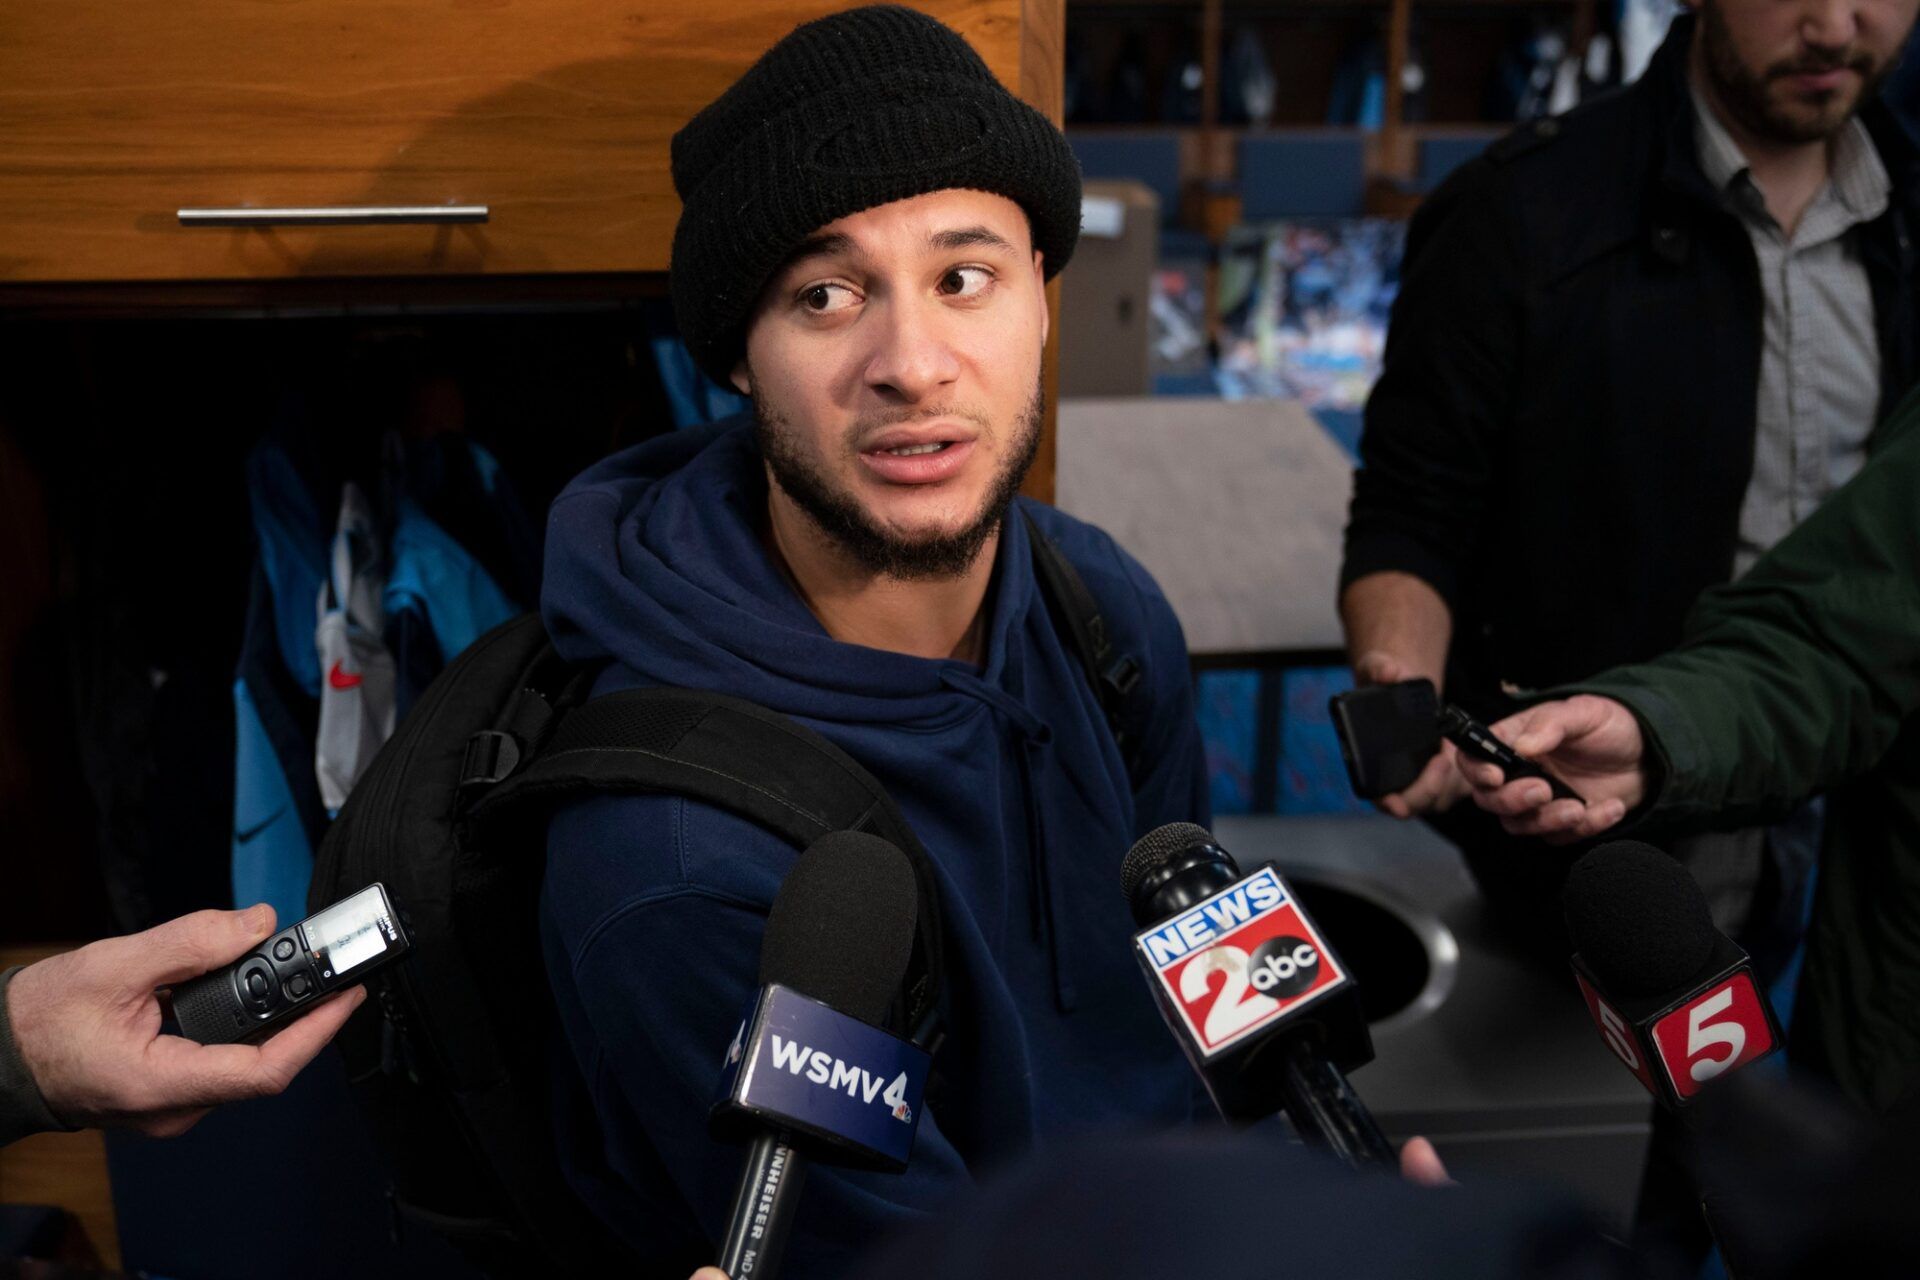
column 869, row 223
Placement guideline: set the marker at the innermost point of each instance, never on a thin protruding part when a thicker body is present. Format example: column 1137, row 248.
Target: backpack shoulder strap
column 737, row 756
column 1115, row 676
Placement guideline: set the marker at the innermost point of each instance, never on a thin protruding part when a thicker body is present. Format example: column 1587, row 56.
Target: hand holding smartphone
column 1389, row 732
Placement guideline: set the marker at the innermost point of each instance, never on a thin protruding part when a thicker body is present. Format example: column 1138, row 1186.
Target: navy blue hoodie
column 654, row 906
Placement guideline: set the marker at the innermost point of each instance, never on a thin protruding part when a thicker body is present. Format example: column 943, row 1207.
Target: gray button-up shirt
column 1819, row 387
column 1818, row 396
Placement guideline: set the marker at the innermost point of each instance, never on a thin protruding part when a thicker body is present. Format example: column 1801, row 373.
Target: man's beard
column 1745, row 95
column 871, row 545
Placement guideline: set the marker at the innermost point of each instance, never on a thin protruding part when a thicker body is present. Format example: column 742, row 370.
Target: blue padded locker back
column 1439, row 156
column 1148, row 157
column 1318, row 174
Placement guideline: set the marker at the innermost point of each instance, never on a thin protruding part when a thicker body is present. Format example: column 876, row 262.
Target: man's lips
column 920, row 455
column 1821, row 81
column 917, row 435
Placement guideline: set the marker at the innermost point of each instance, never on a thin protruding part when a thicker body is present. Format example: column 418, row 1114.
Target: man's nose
column 1829, row 24
column 911, row 357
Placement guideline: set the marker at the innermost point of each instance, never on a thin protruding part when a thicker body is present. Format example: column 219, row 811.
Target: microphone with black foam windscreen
column 1675, row 1000
column 1265, row 1010
column 1673, row 997
column 811, row 1075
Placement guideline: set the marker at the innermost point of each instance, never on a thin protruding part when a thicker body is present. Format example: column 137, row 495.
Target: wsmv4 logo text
column 859, row 1083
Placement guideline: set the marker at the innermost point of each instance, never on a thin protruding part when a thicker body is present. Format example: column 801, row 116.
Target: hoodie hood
column 655, row 563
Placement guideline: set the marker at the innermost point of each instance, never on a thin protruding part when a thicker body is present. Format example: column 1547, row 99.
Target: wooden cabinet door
column 554, row 114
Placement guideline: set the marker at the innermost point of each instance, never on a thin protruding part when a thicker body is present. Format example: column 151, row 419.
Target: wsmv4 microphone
column 810, row 1075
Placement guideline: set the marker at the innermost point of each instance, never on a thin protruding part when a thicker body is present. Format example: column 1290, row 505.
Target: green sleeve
column 1798, row 676
column 22, row 1109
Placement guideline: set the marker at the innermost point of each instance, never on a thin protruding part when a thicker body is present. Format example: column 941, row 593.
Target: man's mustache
column 1818, row 63
column 899, row 417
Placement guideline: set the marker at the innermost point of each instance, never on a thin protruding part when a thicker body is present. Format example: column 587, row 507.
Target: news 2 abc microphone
column 1673, row 997
column 810, row 1074
column 1263, row 1007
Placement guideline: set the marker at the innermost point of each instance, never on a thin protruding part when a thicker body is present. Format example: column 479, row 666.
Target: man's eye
column 966, row 282
column 824, row 299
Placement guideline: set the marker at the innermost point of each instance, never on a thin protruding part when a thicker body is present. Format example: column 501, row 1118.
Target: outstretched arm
column 86, row 1026
column 1794, row 679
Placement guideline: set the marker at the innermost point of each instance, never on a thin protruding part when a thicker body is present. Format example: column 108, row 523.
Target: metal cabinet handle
column 338, row 215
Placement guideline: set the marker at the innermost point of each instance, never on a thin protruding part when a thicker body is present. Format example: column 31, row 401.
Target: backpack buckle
column 491, row 757
column 1123, row 676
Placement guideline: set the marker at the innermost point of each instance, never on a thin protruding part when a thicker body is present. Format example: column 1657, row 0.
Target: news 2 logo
column 860, row 1084
column 1238, row 962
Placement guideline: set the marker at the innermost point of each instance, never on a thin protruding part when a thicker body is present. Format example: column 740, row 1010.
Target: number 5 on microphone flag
column 1676, row 1047
column 1718, row 1030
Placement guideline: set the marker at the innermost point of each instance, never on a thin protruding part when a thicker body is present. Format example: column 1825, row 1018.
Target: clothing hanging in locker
column 351, row 616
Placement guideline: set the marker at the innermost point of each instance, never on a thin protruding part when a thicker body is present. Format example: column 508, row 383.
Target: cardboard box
column 1106, row 292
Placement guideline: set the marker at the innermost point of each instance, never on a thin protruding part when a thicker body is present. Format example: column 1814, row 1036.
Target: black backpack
column 450, row 1058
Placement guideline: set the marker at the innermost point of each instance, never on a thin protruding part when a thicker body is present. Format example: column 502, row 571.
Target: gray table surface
column 1235, row 506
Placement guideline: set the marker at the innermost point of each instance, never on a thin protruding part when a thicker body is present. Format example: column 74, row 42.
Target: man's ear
column 741, row 377
column 1040, row 278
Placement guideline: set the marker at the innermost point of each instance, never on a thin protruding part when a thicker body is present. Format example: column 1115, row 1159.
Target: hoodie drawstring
column 1035, row 740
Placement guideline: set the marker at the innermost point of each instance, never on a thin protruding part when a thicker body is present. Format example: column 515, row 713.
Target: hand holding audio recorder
column 1591, row 739
column 292, row 971
column 86, row 1025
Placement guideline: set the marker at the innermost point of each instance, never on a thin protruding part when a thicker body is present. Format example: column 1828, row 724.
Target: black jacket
column 1564, row 429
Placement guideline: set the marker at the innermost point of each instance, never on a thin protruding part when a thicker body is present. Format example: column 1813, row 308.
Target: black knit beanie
column 847, row 112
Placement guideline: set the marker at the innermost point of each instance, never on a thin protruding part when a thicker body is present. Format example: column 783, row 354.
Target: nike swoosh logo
column 341, row 678
column 243, row 835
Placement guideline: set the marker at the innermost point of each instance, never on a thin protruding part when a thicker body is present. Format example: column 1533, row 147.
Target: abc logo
column 1284, row 967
